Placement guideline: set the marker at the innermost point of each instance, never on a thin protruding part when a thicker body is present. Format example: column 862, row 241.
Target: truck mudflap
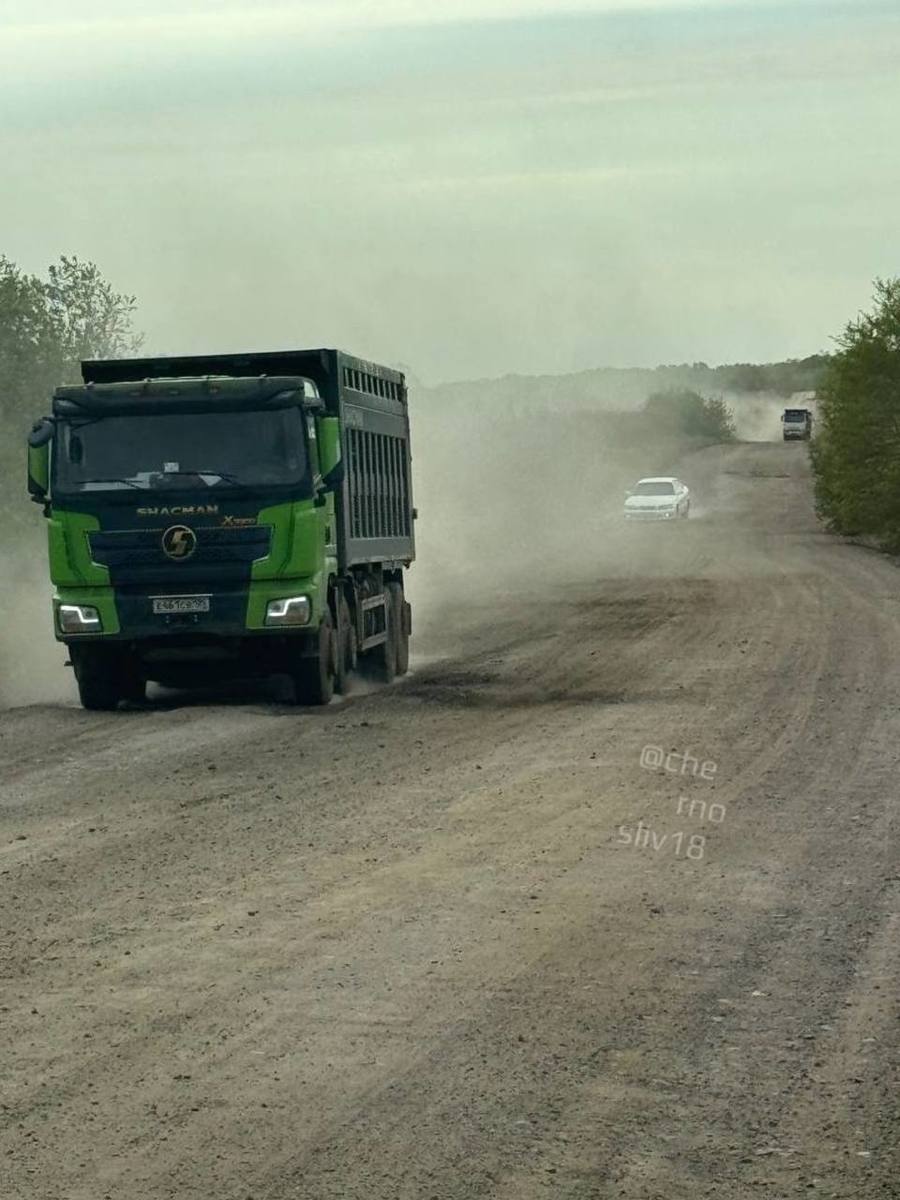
column 373, row 618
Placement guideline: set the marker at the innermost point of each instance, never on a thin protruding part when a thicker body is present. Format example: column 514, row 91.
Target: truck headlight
column 79, row 618
column 295, row 610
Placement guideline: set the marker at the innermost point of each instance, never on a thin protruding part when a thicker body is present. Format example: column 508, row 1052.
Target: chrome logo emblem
column 179, row 542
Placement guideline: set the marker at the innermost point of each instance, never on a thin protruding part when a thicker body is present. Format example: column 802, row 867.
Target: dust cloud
column 515, row 503
column 32, row 667
column 757, row 416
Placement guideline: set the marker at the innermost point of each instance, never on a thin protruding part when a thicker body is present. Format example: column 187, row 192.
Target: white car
column 659, row 498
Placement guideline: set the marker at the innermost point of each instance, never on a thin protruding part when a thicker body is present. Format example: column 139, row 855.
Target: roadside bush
column 856, row 449
column 691, row 415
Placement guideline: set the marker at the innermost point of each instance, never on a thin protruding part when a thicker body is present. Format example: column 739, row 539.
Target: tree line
column 49, row 323
column 856, row 448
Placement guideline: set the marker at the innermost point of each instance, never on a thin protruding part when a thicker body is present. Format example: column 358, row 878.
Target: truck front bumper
column 129, row 615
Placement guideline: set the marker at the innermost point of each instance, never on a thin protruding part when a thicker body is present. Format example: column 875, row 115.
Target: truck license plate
column 180, row 604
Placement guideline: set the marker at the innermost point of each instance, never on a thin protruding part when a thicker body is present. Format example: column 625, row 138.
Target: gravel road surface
column 600, row 901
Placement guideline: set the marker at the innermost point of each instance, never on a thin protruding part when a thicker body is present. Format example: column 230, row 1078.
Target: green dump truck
column 228, row 516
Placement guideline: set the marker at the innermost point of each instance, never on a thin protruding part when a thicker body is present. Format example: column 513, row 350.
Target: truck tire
column 401, row 627
column 100, row 678
column 134, row 689
column 313, row 677
column 345, row 649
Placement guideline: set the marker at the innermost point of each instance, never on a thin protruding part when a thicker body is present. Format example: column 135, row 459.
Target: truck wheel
column 345, row 649
column 134, row 689
column 133, row 684
column 314, row 677
column 401, row 626
column 99, row 677
column 384, row 657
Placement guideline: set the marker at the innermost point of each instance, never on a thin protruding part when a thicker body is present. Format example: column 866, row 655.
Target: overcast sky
column 469, row 187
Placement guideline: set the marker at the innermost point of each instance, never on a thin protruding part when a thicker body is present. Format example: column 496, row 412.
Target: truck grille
column 137, row 556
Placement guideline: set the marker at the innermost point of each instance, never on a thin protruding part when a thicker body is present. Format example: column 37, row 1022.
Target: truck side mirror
column 331, row 462
column 39, row 460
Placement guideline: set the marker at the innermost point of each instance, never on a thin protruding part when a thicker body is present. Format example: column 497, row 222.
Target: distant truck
column 796, row 424
column 228, row 516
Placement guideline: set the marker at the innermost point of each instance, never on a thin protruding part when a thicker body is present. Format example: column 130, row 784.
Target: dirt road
column 601, row 903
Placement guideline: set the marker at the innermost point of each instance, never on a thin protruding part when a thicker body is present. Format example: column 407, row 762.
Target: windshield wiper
column 226, row 475
column 114, row 479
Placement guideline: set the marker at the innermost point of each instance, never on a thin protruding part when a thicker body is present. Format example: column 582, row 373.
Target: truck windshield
column 155, row 451
column 796, row 416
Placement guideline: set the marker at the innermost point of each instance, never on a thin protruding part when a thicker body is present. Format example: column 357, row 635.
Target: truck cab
column 796, row 424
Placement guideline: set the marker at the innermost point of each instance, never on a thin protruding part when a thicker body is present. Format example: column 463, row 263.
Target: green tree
column 47, row 325
column 687, row 413
column 90, row 318
column 856, row 451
